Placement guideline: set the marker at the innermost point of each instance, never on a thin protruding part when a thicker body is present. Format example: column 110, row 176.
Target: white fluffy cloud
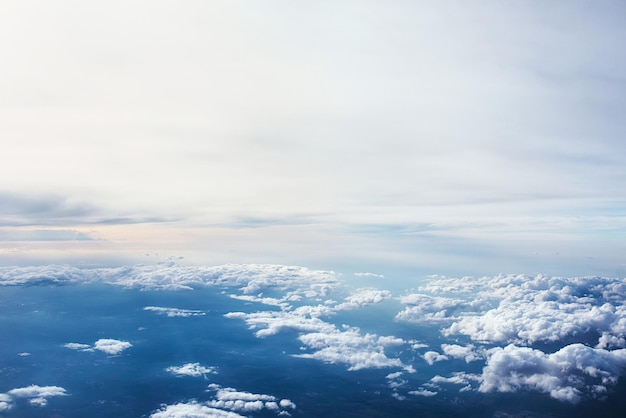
column 432, row 357
column 525, row 310
column 575, row 313
column 574, row 372
column 107, row 345
column 227, row 403
column 191, row 369
column 426, row 308
column 174, row 312
column 111, row 346
column 467, row 353
column 351, row 348
column 238, row 401
column 302, row 319
column 192, row 410
column 328, row 343
column 5, row 402
column 36, row 395
column 364, row 297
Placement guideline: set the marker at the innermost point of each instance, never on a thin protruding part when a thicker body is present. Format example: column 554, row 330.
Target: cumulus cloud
column 351, row 348
column 363, row 297
column 5, row 402
column 525, row 310
column 238, row 401
column 191, row 369
column 575, row 314
column 574, row 372
column 107, row 345
column 426, row 308
column 394, row 375
column 227, row 403
column 302, row 319
column 423, row 392
column 328, row 343
column 192, row 410
column 432, row 357
column 467, row 353
column 174, row 312
column 34, row 394
column 457, row 378
column 111, row 346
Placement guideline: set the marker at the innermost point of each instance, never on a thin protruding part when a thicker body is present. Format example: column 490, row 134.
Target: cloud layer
column 564, row 337
column 463, row 131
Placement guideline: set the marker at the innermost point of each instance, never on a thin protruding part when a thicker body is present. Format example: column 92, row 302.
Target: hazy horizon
column 225, row 208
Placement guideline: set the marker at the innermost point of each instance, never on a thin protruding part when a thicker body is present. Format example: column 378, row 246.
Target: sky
column 440, row 137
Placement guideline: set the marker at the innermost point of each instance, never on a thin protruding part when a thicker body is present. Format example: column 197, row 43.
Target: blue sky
column 439, row 136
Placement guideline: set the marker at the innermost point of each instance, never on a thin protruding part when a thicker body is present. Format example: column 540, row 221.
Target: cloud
column 191, row 369
column 37, row 209
column 394, row 375
column 374, row 275
column 227, row 403
column 574, row 314
column 248, row 278
column 264, row 300
column 467, row 353
column 238, row 401
column 43, row 235
column 469, row 87
column 302, row 319
column 78, row 346
column 174, row 312
column 36, row 395
column 423, row 392
column 351, row 348
column 534, row 309
column 432, row 357
column 525, row 310
column 19, row 209
column 364, row 297
column 457, row 378
column 328, row 343
column 571, row 374
column 192, row 410
column 111, row 346
column 107, row 345
column 6, row 402
column 426, row 308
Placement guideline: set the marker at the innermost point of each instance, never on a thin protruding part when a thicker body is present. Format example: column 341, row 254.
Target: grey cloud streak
column 32, row 209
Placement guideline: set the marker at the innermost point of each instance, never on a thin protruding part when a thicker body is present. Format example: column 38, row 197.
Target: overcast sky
column 417, row 133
